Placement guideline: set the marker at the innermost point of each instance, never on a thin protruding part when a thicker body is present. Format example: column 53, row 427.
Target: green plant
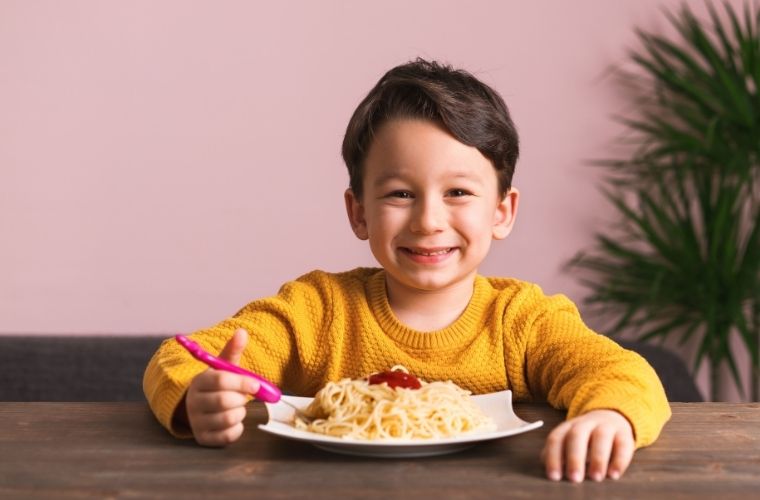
column 686, row 258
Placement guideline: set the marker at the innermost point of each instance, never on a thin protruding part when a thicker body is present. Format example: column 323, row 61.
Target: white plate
column 497, row 405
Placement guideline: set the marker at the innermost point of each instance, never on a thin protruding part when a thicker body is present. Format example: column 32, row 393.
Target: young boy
column 430, row 153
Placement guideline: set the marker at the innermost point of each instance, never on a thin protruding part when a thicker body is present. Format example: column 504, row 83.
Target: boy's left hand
column 603, row 439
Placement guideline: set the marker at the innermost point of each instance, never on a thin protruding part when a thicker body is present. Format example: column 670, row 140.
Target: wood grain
column 118, row 450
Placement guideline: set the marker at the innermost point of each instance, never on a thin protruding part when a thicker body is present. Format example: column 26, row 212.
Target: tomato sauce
column 395, row 379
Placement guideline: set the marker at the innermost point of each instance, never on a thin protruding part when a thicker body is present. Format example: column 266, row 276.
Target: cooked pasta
column 358, row 409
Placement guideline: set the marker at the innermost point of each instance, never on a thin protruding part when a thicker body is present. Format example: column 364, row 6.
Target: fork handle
column 267, row 392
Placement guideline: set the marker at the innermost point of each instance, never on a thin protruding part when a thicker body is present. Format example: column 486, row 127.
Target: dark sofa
column 74, row 368
column 110, row 368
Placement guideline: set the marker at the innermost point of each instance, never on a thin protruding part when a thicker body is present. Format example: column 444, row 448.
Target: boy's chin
column 428, row 283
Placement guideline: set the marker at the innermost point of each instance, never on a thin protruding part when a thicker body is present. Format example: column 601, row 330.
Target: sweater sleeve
column 576, row 369
column 282, row 331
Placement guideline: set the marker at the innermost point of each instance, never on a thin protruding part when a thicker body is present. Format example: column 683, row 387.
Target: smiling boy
column 430, row 207
column 430, row 153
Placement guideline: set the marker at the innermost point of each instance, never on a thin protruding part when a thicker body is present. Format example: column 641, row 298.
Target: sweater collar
column 460, row 332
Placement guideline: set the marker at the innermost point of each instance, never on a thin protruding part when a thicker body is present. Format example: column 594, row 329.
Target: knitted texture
column 325, row 326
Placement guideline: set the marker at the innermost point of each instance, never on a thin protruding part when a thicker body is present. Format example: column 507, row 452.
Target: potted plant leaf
column 684, row 259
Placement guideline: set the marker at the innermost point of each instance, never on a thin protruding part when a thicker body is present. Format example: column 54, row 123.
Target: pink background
column 163, row 163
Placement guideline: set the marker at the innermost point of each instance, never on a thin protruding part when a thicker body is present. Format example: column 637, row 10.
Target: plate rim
column 290, row 432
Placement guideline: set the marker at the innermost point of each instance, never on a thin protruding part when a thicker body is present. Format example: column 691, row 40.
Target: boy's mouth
column 428, row 255
column 429, row 252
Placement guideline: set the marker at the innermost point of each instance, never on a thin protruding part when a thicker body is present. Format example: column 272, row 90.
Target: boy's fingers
column 552, row 453
column 622, row 453
column 220, row 438
column 235, row 347
column 600, row 449
column 576, row 449
column 215, row 402
column 212, row 422
column 218, row 380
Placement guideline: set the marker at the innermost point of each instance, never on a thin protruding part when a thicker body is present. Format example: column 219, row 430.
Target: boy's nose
column 428, row 217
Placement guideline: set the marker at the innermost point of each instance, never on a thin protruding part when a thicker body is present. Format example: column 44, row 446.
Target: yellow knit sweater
column 326, row 326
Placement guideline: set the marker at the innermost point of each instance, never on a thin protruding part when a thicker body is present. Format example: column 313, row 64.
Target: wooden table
column 118, row 450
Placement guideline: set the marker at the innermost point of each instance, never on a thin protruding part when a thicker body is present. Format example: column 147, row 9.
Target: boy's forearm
column 165, row 383
column 629, row 387
column 576, row 369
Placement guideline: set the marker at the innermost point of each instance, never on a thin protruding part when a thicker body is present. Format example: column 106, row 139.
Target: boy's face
column 430, row 206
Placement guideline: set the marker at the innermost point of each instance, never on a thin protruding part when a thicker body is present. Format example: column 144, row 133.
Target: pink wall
column 162, row 163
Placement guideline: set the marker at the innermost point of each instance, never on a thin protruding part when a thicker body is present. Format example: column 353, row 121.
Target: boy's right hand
column 215, row 401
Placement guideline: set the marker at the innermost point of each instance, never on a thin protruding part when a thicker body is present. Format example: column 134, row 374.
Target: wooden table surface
column 118, row 450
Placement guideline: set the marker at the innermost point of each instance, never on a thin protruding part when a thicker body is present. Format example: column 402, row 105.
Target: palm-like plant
column 686, row 260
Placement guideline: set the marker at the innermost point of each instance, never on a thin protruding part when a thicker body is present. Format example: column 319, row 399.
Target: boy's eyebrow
column 383, row 178
column 465, row 174
column 387, row 176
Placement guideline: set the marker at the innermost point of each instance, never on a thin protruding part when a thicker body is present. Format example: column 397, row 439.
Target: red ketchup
column 395, row 379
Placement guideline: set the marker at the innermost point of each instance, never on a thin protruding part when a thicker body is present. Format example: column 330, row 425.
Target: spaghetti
column 363, row 410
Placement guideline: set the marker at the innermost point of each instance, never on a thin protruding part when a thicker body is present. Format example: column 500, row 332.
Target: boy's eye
column 459, row 192
column 400, row 194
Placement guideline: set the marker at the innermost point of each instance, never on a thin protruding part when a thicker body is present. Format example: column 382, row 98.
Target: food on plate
column 393, row 405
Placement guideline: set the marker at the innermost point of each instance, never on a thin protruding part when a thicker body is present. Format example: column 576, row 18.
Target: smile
column 429, row 252
column 428, row 255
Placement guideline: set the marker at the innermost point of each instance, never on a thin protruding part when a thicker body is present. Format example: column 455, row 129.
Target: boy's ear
column 505, row 214
column 355, row 211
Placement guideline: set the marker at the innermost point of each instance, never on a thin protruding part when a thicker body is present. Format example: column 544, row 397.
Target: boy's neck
column 425, row 310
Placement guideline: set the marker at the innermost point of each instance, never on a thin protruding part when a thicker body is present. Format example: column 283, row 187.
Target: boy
column 430, row 153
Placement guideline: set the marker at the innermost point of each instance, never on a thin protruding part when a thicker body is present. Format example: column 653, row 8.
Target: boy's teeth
column 439, row 252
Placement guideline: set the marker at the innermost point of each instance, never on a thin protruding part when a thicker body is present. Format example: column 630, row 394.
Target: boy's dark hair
column 468, row 108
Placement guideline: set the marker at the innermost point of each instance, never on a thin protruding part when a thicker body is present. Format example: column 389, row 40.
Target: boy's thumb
column 235, row 347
